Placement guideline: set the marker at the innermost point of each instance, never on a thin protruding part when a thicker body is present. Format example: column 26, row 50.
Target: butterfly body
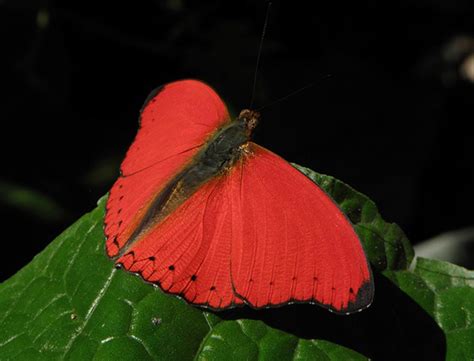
column 221, row 151
column 206, row 214
column 226, row 146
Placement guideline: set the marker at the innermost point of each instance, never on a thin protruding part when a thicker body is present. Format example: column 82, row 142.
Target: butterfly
column 208, row 215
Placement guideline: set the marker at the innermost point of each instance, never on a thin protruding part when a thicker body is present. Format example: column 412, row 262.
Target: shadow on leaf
column 394, row 328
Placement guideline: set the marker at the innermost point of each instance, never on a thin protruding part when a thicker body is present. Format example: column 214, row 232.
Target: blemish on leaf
column 156, row 321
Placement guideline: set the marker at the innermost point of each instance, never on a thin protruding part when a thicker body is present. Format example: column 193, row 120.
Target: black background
column 393, row 120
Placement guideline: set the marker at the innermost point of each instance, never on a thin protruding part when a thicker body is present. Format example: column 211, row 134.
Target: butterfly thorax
column 223, row 149
column 226, row 146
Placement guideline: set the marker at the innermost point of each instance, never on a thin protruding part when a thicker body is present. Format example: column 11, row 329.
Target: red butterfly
column 208, row 215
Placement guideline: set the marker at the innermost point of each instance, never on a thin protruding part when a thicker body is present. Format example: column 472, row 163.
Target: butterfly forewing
column 174, row 125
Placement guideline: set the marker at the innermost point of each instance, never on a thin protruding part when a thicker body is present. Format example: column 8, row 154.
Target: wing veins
column 157, row 162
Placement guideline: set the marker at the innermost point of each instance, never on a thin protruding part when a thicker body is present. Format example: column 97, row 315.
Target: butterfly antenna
column 259, row 54
column 294, row 92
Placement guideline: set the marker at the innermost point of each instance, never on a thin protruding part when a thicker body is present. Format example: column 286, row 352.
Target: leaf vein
column 91, row 310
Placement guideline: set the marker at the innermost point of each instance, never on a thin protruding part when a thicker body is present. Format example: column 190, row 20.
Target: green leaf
column 252, row 340
column 446, row 292
column 386, row 245
column 30, row 201
column 70, row 303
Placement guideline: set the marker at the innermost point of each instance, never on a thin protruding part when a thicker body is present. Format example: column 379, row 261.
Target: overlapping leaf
column 446, row 292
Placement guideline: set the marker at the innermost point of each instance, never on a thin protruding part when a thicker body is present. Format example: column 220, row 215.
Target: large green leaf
column 253, row 340
column 70, row 303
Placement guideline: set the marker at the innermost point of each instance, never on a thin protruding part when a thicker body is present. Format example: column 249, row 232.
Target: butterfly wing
column 175, row 122
column 176, row 118
column 261, row 234
column 131, row 196
column 188, row 254
column 291, row 242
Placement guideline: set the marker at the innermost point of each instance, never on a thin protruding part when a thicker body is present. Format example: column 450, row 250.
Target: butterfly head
column 250, row 118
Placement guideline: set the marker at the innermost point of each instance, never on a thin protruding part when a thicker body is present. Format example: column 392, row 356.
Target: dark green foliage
column 70, row 303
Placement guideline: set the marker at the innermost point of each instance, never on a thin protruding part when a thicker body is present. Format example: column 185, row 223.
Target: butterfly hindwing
column 188, row 254
column 130, row 197
column 291, row 242
column 261, row 233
